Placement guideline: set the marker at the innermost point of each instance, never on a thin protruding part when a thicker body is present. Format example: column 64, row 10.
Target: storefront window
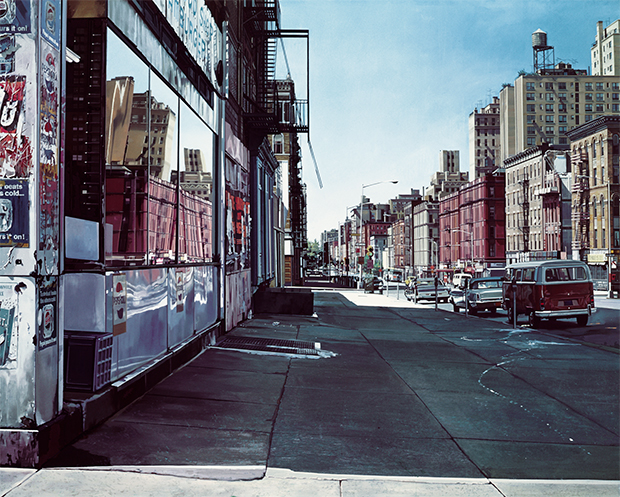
column 159, row 162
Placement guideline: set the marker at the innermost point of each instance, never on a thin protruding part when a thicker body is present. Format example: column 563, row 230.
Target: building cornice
column 591, row 127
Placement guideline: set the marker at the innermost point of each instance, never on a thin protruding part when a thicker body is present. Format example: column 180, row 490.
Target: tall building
column 449, row 178
column 547, row 103
column 484, row 140
column 606, row 50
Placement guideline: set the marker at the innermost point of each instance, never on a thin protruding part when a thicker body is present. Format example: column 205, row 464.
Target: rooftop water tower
column 544, row 55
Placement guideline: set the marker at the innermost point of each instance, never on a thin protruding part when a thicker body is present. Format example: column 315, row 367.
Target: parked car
column 483, row 294
column 549, row 289
column 424, row 289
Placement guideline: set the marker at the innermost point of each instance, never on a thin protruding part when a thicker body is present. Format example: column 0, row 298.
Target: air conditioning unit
column 88, row 360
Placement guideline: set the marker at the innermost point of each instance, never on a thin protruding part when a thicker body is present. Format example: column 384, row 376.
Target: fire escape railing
column 261, row 100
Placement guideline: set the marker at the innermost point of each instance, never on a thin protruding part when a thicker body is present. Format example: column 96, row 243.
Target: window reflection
column 159, row 168
column 196, row 186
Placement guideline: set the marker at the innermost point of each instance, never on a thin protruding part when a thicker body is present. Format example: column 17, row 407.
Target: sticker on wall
column 48, row 296
column 48, row 160
column 180, row 289
column 8, row 333
column 15, row 148
column 14, row 213
column 119, row 304
column 50, row 21
column 14, row 16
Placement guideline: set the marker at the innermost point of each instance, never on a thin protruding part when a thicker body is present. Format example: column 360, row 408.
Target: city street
column 398, row 390
column 603, row 326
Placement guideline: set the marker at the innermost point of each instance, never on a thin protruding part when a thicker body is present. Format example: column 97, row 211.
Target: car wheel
column 533, row 320
column 582, row 320
column 455, row 307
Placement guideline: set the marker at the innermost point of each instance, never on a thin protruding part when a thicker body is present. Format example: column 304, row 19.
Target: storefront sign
column 14, row 16
column 600, row 258
column 14, row 203
column 48, row 296
column 119, row 304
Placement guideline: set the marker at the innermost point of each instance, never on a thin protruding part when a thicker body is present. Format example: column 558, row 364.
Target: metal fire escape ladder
column 264, row 112
column 525, row 187
column 581, row 209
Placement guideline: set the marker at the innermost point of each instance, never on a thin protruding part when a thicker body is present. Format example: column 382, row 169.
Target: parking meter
column 465, row 295
column 513, row 285
column 436, row 291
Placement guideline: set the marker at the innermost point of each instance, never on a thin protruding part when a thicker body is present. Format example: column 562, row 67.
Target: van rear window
column 565, row 274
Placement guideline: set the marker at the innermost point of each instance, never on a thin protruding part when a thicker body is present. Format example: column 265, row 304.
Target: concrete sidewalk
column 278, row 483
column 398, row 401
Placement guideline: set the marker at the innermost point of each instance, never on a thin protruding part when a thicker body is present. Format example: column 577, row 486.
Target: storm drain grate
column 270, row 345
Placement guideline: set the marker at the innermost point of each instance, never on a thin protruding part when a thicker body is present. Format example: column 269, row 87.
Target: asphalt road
column 603, row 327
column 399, row 390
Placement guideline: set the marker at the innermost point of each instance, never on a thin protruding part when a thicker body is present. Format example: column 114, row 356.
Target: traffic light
column 369, row 252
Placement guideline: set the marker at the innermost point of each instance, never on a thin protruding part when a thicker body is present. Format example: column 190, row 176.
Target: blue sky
column 392, row 82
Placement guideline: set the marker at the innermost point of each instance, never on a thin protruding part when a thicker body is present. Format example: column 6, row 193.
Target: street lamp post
column 363, row 241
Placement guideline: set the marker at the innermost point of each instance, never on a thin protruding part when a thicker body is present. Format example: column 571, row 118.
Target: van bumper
column 566, row 314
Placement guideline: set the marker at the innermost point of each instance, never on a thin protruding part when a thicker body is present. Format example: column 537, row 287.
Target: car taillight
column 592, row 299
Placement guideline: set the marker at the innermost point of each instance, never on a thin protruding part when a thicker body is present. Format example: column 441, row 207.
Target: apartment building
column 546, row 106
column 605, row 51
column 425, row 240
column 595, row 152
column 484, row 140
column 532, row 220
column 471, row 225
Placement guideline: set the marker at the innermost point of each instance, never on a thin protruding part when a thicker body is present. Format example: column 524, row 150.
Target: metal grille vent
column 270, row 345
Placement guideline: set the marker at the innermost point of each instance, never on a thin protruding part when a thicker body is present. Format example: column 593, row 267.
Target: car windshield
column 485, row 284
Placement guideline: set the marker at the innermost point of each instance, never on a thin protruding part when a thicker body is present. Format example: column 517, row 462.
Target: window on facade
column 530, row 96
column 588, row 97
column 600, row 86
column 600, row 108
column 531, row 107
column 549, row 119
column 562, row 86
column 549, row 129
column 600, row 97
column 548, row 86
column 278, row 144
column 549, row 107
column 588, row 86
column 530, row 86
column 160, row 227
column 531, row 141
column 588, row 107
column 550, row 97
column 531, row 130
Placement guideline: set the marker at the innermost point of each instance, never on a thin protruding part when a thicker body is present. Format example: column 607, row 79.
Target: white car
column 424, row 289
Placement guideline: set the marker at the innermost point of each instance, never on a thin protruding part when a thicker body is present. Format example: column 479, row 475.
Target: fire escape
column 581, row 203
column 524, row 182
column 270, row 106
column 266, row 108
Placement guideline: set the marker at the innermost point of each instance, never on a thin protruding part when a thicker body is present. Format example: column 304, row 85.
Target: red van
column 549, row 290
